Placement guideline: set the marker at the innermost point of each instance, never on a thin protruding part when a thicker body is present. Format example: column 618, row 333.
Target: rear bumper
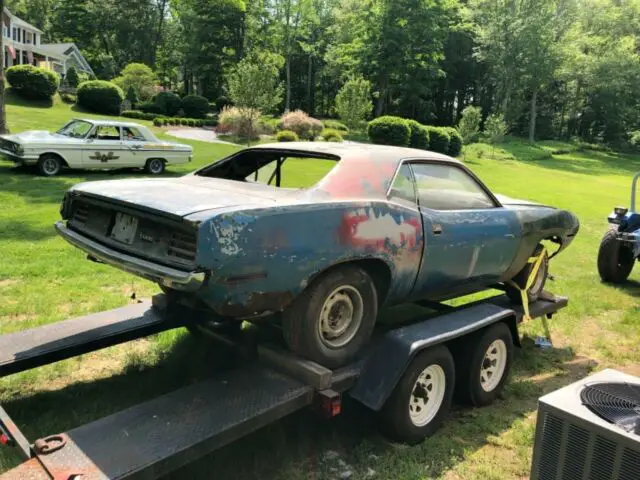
column 167, row 276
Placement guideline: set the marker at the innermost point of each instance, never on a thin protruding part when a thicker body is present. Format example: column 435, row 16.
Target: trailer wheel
column 333, row 318
column 483, row 361
column 615, row 260
column 422, row 398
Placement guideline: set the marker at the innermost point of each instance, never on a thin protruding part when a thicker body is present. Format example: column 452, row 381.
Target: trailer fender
column 388, row 361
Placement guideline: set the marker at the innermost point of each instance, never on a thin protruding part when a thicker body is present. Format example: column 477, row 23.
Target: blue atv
column 620, row 246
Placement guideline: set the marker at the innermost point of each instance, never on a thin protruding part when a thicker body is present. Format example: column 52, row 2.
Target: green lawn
column 42, row 280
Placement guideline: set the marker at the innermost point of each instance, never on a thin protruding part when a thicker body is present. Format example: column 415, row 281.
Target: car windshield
column 75, row 129
column 274, row 168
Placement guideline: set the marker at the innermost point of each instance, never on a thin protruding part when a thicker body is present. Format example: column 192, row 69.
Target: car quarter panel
column 262, row 259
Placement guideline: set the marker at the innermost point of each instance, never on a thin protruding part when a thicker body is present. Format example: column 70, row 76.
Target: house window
column 19, row 34
column 15, row 33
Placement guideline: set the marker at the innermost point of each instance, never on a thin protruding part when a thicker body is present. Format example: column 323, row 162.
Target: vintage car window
column 132, row 134
column 75, row 129
column 447, row 187
column 106, row 132
column 403, row 187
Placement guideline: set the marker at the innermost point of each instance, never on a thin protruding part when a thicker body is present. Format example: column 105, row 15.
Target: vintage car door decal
column 104, row 158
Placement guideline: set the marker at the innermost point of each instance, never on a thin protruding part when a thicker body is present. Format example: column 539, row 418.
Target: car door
column 105, row 148
column 470, row 240
column 134, row 142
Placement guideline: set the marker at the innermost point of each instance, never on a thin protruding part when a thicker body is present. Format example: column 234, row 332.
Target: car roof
column 346, row 150
column 110, row 123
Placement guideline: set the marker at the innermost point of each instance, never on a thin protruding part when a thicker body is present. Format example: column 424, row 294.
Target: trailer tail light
column 329, row 403
column 4, row 440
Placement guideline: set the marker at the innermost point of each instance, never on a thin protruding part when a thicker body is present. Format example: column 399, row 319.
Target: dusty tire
column 521, row 280
column 483, row 362
column 332, row 320
column 615, row 260
column 154, row 166
column 422, row 398
column 49, row 165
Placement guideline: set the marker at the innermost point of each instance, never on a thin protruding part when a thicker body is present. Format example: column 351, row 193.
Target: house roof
column 19, row 22
column 60, row 49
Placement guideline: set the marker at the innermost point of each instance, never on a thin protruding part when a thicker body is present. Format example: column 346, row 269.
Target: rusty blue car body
column 246, row 249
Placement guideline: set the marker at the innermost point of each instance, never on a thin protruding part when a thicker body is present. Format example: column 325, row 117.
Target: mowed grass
column 43, row 280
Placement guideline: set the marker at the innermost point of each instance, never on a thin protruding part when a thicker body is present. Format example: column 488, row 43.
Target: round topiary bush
column 100, row 96
column 455, row 142
column 335, row 125
column 168, row 103
column 195, row 106
column 438, row 140
column 33, row 82
column 287, row 136
column 389, row 130
column 331, row 135
column 419, row 135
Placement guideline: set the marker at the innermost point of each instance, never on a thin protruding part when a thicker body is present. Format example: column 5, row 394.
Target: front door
column 134, row 141
column 469, row 239
column 105, row 148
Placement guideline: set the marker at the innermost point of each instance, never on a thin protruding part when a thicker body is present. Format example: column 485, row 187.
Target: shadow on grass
column 11, row 97
column 632, row 287
column 14, row 230
column 576, row 160
column 300, row 445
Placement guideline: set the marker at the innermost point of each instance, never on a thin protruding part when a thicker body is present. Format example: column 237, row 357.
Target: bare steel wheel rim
column 50, row 166
column 155, row 166
column 427, row 395
column 341, row 316
column 493, row 365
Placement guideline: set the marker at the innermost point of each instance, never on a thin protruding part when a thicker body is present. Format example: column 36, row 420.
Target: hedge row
column 187, row 122
column 389, row 130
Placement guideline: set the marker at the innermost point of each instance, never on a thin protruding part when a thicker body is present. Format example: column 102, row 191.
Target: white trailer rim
column 493, row 365
column 427, row 395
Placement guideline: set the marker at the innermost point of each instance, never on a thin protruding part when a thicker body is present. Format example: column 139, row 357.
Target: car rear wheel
column 154, row 166
column 422, row 398
column 49, row 165
column 333, row 318
column 615, row 259
column 533, row 293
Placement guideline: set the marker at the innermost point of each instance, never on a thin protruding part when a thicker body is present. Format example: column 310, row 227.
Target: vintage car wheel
column 422, row 398
column 154, row 166
column 333, row 318
column 483, row 362
column 49, row 165
column 521, row 280
column 615, row 260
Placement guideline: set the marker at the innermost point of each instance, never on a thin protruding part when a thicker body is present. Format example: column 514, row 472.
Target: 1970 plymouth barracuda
column 93, row 144
column 385, row 225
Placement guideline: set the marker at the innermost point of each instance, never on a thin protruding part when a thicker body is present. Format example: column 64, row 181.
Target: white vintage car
column 93, row 144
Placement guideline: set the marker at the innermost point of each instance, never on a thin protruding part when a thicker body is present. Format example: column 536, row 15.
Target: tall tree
column 3, row 115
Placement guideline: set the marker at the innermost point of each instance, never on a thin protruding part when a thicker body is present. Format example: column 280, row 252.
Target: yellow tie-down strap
column 537, row 261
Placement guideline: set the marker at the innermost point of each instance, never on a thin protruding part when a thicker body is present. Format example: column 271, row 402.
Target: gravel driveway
column 197, row 134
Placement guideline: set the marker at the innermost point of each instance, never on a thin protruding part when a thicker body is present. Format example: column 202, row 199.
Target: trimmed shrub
column 438, row 139
column 168, row 103
column 221, row 103
column 455, row 142
column 158, row 122
column 149, row 107
column 195, row 106
column 331, row 135
column 199, row 123
column 389, row 130
column 298, row 121
column 287, row 136
column 268, row 126
column 32, row 82
column 335, row 125
column 100, row 96
column 68, row 98
column 211, row 122
column 419, row 135
column 71, row 78
column 139, row 115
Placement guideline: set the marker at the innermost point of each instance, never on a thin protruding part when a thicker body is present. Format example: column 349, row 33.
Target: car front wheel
column 154, row 166
column 49, row 165
column 333, row 318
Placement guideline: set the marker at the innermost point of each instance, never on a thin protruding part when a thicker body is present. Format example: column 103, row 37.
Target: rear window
column 274, row 168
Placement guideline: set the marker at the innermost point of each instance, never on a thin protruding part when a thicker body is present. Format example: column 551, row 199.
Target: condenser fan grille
column 617, row 403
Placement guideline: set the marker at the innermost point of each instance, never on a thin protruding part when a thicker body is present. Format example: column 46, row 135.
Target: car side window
column 132, row 134
column 403, row 186
column 447, row 187
column 107, row 132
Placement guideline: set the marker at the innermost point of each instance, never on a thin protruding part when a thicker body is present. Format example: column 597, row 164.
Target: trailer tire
column 615, row 260
column 483, row 361
column 407, row 416
column 310, row 326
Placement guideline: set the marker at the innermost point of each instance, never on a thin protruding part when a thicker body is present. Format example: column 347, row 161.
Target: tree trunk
column 532, row 116
column 287, row 103
column 310, row 86
column 162, row 7
column 3, row 117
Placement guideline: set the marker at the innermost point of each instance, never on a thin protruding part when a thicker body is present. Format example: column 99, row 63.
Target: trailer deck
column 156, row 437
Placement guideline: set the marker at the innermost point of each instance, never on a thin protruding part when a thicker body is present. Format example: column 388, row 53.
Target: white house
column 23, row 45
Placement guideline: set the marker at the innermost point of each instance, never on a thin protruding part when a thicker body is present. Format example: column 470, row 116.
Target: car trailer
column 158, row 436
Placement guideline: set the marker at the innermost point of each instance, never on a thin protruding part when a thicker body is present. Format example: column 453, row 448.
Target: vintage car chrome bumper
column 170, row 277
column 20, row 159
